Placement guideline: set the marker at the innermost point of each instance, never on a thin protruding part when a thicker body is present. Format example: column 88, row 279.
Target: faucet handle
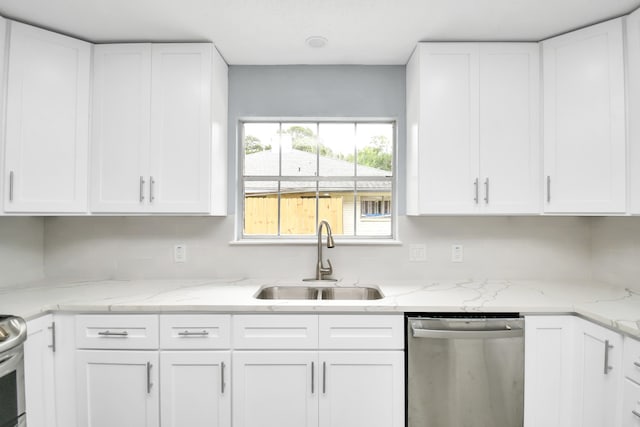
column 326, row 270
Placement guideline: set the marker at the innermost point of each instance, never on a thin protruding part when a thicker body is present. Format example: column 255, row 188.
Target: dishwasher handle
column 505, row 331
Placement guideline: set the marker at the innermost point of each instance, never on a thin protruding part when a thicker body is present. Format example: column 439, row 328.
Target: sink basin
column 288, row 292
column 319, row 293
column 351, row 293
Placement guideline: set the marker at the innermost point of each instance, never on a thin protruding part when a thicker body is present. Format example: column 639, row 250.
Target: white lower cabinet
column 275, row 388
column 117, row 388
column 599, row 377
column 39, row 373
column 356, row 381
column 362, row 389
column 631, row 404
column 573, row 373
column 194, row 389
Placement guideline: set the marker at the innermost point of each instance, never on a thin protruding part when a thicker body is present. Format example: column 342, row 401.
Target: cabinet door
column 39, row 373
column 599, row 357
column 3, row 49
column 448, row 130
column 195, row 389
column 584, row 120
column 509, row 128
column 179, row 176
column 361, row 389
column 633, row 93
column 120, row 133
column 47, row 122
column 117, row 388
column 549, row 371
column 274, row 388
column 631, row 404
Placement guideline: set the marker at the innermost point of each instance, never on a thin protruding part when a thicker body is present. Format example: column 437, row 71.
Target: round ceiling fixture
column 316, row 42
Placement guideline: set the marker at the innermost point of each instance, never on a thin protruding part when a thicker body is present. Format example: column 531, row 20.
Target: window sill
column 309, row 242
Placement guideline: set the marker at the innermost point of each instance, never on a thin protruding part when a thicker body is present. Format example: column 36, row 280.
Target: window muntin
column 297, row 173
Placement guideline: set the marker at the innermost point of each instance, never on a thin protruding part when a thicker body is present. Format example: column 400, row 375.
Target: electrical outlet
column 457, row 253
column 418, row 252
column 180, row 253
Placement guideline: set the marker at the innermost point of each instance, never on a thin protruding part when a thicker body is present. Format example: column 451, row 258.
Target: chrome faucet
column 321, row 270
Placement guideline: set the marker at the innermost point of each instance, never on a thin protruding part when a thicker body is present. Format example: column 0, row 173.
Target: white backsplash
column 616, row 250
column 21, row 249
column 142, row 247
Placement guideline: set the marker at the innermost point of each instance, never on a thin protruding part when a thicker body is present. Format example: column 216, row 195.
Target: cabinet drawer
column 268, row 332
column 631, row 404
column 116, row 331
column 195, row 332
column 359, row 331
column 632, row 359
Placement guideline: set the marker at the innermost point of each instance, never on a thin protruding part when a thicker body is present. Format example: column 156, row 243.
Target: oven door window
column 9, row 416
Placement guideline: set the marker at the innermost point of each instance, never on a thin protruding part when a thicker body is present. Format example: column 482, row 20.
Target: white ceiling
column 274, row 31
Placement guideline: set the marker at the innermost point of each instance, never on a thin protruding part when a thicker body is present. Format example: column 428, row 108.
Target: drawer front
column 361, row 331
column 631, row 404
column 195, row 332
column 272, row 332
column 117, row 331
column 632, row 359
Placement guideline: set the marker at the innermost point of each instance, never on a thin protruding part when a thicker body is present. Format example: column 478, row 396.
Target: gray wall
column 318, row 91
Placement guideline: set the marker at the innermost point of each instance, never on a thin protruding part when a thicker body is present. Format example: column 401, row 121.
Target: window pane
column 374, row 143
column 261, row 149
column 298, row 208
column 299, row 149
column 261, row 208
column 374, row 208
column 336, row 206
column 336, row 146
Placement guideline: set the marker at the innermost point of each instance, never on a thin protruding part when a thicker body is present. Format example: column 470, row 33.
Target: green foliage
column 377, row 154
column 253, row 145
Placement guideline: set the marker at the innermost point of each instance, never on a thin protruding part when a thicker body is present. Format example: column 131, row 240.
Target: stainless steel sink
column 351, row 293
column 288, row 292
column 319, row 293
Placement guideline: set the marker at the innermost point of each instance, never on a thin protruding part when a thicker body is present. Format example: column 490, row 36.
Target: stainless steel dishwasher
column 465, row 371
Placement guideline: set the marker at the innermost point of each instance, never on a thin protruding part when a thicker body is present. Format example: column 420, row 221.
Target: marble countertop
column 611, row 306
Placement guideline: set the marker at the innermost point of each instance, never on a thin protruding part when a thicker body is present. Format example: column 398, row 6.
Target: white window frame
column 241, row 238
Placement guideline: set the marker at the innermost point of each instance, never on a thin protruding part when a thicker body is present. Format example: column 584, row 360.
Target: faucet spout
column 321, row 270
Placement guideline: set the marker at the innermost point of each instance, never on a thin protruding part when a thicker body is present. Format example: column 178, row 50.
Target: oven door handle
column 466, row 334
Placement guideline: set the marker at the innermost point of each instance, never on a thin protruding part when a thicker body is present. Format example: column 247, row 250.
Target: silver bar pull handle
column 636, row 413
column 52, row 328
column 193, row 334
column 11, row 186
column 149, row 383
column 548, row 189
column 141, row 189
column 113, row 334
column 470, row 334
column 222, row 366
column 324, row 377
column 313, row 378
column 151, row 184
column 475, row 184
column 486, row 191
column 607, row 347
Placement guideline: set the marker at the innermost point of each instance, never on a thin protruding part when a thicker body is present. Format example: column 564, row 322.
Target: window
column 295, row 174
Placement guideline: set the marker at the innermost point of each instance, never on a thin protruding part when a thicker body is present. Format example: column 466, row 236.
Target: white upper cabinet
column 120, row 133
column 47, row 120
column 633, row 102
column 156, row 129
column 473, row 138
column 180, row 161
column 3, row 49
column 584, row 121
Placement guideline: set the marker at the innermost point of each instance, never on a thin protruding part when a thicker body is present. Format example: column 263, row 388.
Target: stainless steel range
column 13, row 332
